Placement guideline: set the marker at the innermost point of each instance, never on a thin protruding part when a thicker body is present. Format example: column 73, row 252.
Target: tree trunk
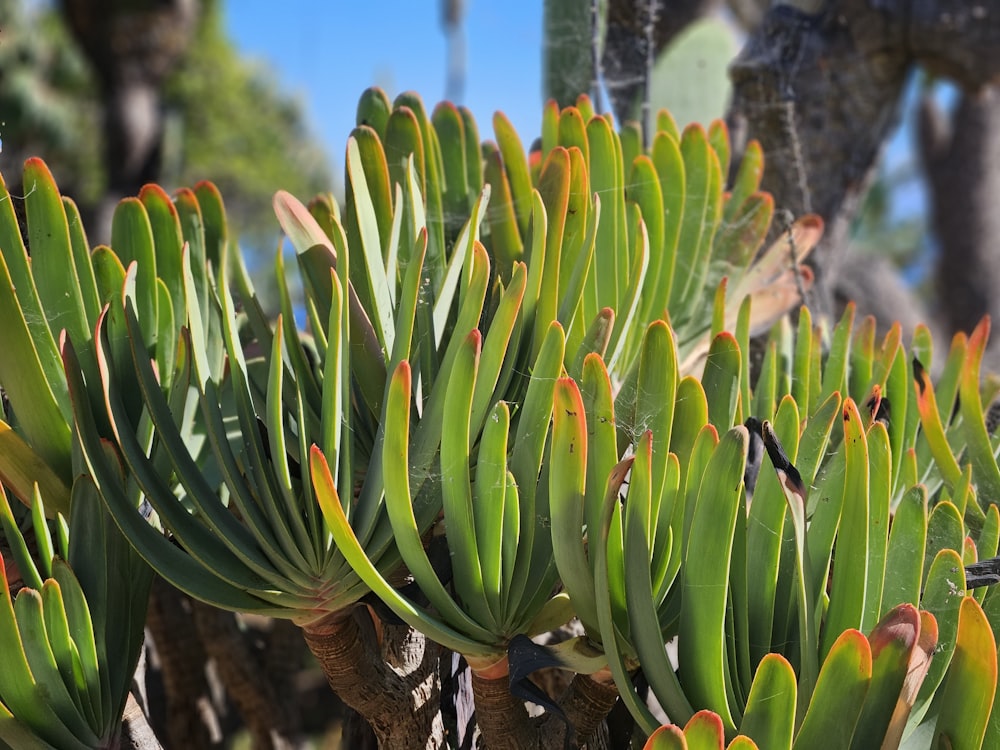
column 962, row 162
column 387, row 673
column 132, row 45
column 820, row 91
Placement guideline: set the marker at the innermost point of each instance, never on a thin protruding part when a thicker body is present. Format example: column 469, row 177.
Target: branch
column 820, row 93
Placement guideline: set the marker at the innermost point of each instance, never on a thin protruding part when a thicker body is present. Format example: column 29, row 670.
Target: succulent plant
column 521, row 393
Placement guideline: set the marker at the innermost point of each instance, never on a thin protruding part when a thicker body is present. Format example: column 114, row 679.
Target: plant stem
column 503, row 720
column 401, row 704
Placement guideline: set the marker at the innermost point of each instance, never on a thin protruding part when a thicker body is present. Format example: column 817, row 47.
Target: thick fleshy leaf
column 905, row 557
column 668, row 737
column 567, row 491
column 702, row 643
column 945, row 578
column 704, row 732
column 893, row 643
column 933, row 430
column 132, row 241
column 769, row 718
column 516, row 167
column 966, row 697
column 980, row 451
column 850, row 565
column 19, row 691
column 840, row 692
column 347, row 542
column 399, row 504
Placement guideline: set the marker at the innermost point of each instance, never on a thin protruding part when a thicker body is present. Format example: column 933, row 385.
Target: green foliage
column 542, row 364
column 227, row 118
column 48, row 99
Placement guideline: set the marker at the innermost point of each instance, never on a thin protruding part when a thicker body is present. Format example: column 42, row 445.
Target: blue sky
column 327, row 53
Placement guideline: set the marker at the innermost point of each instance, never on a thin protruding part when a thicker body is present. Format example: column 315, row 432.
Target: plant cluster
column 518, row 392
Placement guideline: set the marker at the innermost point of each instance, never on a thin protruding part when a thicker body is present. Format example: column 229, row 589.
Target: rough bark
column 388, row 674
column 820, row 91
column 504, row 722
column 189, row 719
column 626, row 44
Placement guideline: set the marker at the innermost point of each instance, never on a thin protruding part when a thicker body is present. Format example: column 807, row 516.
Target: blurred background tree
column 117, row 93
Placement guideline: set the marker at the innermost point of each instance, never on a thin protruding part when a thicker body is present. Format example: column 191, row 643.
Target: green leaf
column 132, row 241
column 765, row 530
column 175, row 565
column 456, row 490
column 905, row 557
column 933, row 430
column 666, row 738
column 21, row 694
column 630, row 297
column 347, row 542
column 721, row 380
column 769, row 718
column 373, row 109
column 602, row 448
column 505, row 240
column 892, row 645
column 718, row 137
column 966, row 697
column 516, row 168
column 670, row 170
column 615, row 644
column 22, row 470
column 644, row 189
column 702, row 642
column 702, row 207
column 52, row 262
column 535, row 550
column 368, row 276
column 879, row 488
column 28, row 380
column 81, row 260
column 850, row 565
column 840, row 693
column 747, row 179
column 398, row 496
column 942, row 598
column 606, row 179
column 980, row 451
column 945, row 530
column 375, row 174
column 489, row 505
column 567, row 491
column 646, row 631
column 554, row 187
column 704, row 731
